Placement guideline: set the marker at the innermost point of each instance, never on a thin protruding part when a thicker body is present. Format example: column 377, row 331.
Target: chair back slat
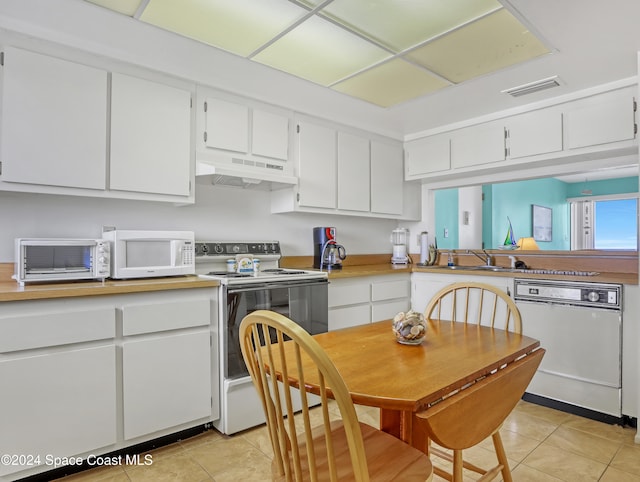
column 299, row 456
column 472, row 302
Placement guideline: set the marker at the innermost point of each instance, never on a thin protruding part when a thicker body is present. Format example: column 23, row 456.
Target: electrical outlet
column 446, row 233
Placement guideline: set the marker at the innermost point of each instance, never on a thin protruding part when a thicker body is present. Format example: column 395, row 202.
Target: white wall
column 220, row 213
column 470, row 225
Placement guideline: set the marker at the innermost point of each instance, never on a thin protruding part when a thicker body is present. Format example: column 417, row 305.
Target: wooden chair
column 475, row 303
column 339, row 450
column 466, row 418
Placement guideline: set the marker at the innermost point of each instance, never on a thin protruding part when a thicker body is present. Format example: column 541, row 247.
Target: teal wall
column 446, row 202
column 514, row 199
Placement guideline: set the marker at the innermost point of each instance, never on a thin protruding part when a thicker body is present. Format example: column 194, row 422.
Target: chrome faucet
column 486, row 260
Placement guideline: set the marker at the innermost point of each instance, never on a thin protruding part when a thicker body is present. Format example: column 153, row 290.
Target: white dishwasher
column 580, row 326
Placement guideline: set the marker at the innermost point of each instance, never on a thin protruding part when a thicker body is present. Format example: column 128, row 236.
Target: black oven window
column 306, row 305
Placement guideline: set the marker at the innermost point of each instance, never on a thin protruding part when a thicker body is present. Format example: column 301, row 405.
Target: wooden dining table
column 404, row 379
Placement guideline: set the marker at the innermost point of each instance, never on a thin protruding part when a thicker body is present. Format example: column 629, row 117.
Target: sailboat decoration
column 510, row 240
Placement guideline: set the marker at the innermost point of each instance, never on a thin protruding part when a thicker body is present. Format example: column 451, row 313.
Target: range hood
column 244, row 173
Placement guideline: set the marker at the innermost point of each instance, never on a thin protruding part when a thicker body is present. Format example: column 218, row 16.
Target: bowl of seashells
column 409, row 328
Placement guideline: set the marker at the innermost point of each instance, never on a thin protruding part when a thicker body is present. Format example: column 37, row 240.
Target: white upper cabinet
column 227, row 125
column 478, row 144
column 353, row 172
column 600, row 119
column 244, row 129
column 533, row 133
column 316, row 165
column 427, row 155
column 54, row 121
column 386, row 178
column 150, row 137
column 270, row 135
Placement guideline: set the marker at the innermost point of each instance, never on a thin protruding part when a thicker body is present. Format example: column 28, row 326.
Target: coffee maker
column 327, row 254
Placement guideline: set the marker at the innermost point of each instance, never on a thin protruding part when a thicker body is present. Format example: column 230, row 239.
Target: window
column 605, row 224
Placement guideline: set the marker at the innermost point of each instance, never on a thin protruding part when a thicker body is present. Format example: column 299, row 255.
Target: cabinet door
column 226, row 125
column 478, row 144
column 600, row 119
column 54, row 121
column 427, row 155
column 270, row 135
column 317, row 166
column 166, row 382
column 150, row 137
column 387, row 178
column 538, row 132
column 353, row 172
column 45, row 397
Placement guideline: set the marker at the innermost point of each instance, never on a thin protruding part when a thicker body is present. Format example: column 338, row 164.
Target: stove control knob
column 217, row 248
column 593, row 296
column 205, row 249
column 235, row 248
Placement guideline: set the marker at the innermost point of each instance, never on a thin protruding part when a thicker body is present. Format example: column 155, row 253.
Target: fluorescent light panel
column 401, row 24
column 354, row 46
column 319, row 51
column 238, row 26
column 391, row 83
column 487, row 45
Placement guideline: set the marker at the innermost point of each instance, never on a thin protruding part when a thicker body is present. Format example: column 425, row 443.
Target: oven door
column 303, row 301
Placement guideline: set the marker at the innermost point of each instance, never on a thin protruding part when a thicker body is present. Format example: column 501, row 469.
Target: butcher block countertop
column 10, row 290
column 612, row 267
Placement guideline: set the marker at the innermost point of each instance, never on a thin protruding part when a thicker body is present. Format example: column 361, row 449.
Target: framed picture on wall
column 542, row 222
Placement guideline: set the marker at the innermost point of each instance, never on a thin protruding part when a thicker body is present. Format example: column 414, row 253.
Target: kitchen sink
column 503, row 269
column 478, row 268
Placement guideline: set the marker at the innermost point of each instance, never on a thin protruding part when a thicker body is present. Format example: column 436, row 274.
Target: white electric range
column 301, row 295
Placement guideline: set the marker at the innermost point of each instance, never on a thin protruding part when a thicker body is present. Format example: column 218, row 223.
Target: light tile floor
column 543, row 445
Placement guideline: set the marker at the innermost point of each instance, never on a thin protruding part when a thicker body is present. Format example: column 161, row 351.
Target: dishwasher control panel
column 597, row 295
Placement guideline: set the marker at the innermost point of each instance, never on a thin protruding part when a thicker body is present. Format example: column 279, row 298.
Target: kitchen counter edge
column 12, row 291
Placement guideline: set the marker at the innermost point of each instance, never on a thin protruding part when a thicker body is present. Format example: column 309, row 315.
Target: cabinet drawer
column 149, row 318
column 56, row 328
column 388, row 290
column 348, row 294
column 386, row 311
column 349, row 316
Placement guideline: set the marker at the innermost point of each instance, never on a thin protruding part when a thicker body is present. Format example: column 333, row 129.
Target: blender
column 399, row 239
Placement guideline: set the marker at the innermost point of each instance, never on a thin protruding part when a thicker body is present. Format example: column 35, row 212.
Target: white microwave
column 56, row 259
column 150, row 254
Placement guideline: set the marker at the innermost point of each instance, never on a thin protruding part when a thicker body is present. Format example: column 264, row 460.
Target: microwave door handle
column 276, row 285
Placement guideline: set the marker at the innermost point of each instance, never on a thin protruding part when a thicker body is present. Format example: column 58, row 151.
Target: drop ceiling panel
column 489, row 44
column 320, row 52
column 126, row 7
column 400, row 24
column 382, row 51
column 238, row 26
column 391, row 83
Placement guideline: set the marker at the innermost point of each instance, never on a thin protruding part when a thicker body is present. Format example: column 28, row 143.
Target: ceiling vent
column 532, row 87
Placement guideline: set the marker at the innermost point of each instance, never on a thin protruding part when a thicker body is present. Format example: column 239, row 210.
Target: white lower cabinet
column 425, row 285
column 92, row 375
column 166, row 382
column 58, row 378
column 366, row 299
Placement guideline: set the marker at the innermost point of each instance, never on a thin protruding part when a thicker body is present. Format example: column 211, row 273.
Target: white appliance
column 580, row 326
column 301, row 295
column 52, row 259
column 150, row 254
column 399, row 240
